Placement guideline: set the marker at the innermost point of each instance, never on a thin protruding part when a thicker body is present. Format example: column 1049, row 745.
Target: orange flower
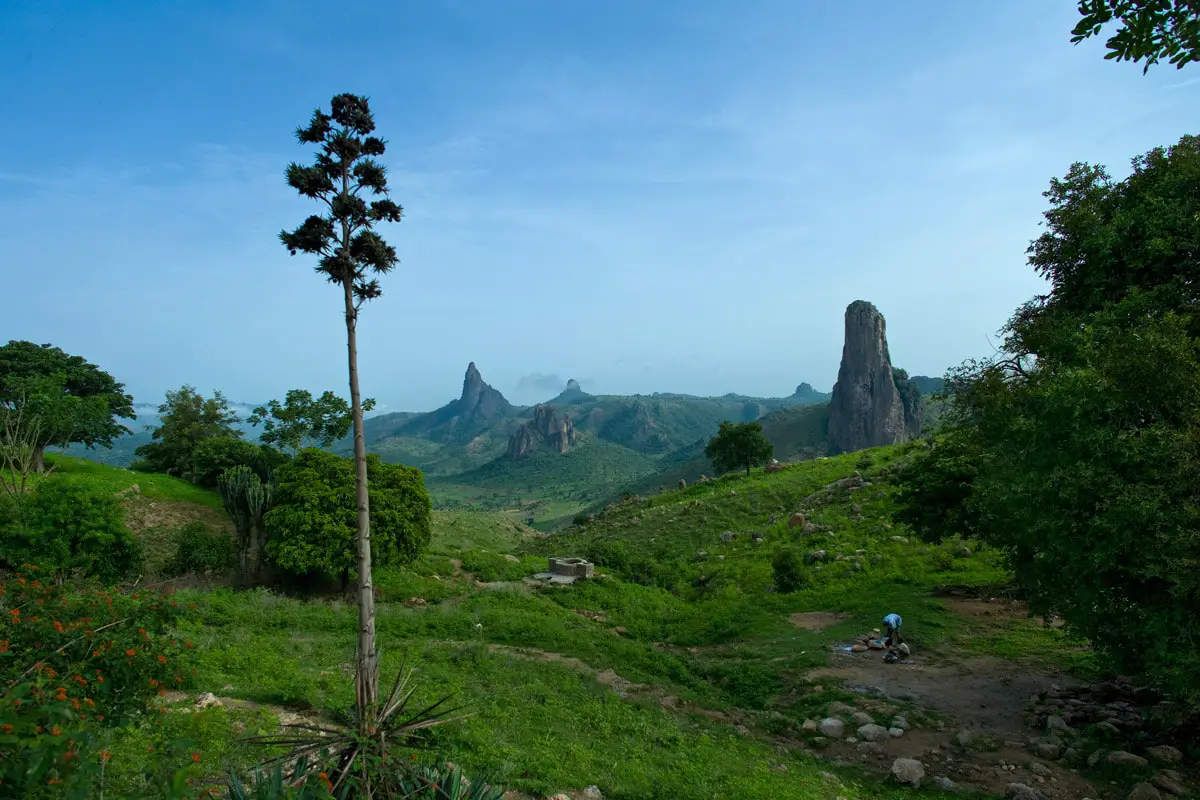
column 6, row 727
column 196, row 757
column 131, row 652
column 3, row 645
column 162, row 659
column 56, row 731
column 58, row 626
column 105, row 755
column 153, row 682
column 40, row 729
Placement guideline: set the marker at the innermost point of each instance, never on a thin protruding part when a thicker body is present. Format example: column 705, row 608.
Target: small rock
column 855, row 508
column 810, row 726
column 728, row 536
column 944, row 783
column 832, row 728
column 1048, row 750
column 908, row 772
column 1164, row 754
column 1108, row 728
column 1019, row 791
column 964, row 738
column 900, row 539
column 1124, row 759
column 512, row 558
column 873, row 733
column 1038, row 768
column 796, row 521
column 838, row 709
column 895, row 733
column 820, row 742
column 900, row 722
column 1094, row 758
column 861, row 718
column 817, row 555
column 592, row 793
column 207, row 700
column 1144, row 791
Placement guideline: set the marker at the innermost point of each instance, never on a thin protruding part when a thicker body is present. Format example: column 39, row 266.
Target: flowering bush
column 71, row 663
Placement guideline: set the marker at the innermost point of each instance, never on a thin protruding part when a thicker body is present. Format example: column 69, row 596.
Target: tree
column 1075, row 449
column 312, row 527
column 1149, row 30
column 187, row 419
column 300, row 421
column 75, row 401
column 738, row 445
column 351, row 255
column 247, row 500
column 214, row 456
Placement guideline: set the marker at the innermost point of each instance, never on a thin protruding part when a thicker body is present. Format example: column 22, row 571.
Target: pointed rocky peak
column 479, row 401
column 866, row 409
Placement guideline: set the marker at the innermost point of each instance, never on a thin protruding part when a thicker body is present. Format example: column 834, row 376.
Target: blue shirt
column 892, row 621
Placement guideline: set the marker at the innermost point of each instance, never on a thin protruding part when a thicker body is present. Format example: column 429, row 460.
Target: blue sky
column 672, row 196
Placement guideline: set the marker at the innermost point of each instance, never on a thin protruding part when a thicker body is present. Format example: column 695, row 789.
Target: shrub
column 72, row 663
column 312, row 527
column 200, row 548
column 788, row 569
column 68, row 528
column 214, row 456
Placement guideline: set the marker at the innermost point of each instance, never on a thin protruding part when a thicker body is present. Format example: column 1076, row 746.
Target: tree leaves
column 1150, row 30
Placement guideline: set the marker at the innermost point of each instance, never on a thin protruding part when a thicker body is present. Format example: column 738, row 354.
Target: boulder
column 1124, row 759
column 797, row 520
column 1166, row 783
column 832, row 728
column 1144, row 791
column 839, row 709
column 810, row 726
column 1019, row 791
column 873, row 733
column 908, row 772
column 861, row 718
column 1164, row 754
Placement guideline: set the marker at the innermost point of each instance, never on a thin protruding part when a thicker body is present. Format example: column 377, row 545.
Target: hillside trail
column 980, row 699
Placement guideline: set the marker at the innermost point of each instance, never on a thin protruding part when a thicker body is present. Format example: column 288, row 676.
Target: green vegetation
column 1057, row 450
column 300, row 421
column 188, row 420
column 1148, row 30
column 66, row 399
column 740, row 446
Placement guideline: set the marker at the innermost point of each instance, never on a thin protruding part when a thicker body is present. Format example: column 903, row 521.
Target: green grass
column 537, row 666
column 112, row 479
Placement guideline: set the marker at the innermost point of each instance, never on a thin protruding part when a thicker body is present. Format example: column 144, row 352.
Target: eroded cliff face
column 546, row 429
column 867, row 410
column 479, row 401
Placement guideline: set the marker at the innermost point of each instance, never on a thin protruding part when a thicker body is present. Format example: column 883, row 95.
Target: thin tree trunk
column 39, row 458
column 367, row 677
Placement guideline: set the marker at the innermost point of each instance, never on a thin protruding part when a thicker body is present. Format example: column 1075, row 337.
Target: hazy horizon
column 648, row 198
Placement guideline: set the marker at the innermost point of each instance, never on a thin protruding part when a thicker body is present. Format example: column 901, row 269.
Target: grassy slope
column 544, row 724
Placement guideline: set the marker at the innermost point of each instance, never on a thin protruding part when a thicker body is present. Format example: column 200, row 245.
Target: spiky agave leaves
column 351, row 756
column 445, row 783
column 276, row 785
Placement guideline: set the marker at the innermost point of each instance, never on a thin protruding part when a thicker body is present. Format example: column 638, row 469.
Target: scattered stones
column 900, row 539
column 1144, row 791
column 873, row 733
column 511, row 558
column 895, row 733
column 855, row 508
column 1038, row 768
column 944, row 783
column 1108, row 729
column 964, row 738
column 797, row 520
column 817, row 555
column 908, row 772
column 1124, row 759
column 861, row 718
column 728, row 536
column 832, row 728
column 415, row 602
column 810, row 726
column 1049, row 750
column 1164, row 754
column 592, row 793
column 900, row 722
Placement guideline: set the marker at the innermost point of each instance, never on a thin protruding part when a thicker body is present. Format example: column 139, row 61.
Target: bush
column 313, row 525
column 214, row 456
column 68, row 529
column 200, row 548
column 71, row 664
column 788, row 569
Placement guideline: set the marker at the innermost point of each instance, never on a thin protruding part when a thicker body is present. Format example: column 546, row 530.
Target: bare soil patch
column 817, row 620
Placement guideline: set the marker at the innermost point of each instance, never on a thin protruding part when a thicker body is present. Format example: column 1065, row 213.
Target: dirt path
column 983, row 696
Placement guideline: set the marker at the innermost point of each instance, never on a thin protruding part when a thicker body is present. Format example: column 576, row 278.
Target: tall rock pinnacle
column 866, row 409
column 479, row 401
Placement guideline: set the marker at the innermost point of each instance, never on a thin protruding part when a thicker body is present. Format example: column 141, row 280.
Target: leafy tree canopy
column 1075, row 450
column 1148, row 30
column 312, row 527
column 186, row 420
column 738, row 446
column 72, row 400
column 300, row 421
